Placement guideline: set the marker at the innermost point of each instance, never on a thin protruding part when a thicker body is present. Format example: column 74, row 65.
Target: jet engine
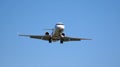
column 46, row 33
column 62, row 38
column 48, row 37
column 63, row 34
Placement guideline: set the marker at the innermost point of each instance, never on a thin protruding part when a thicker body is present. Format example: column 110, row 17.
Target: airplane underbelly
column 56, row 33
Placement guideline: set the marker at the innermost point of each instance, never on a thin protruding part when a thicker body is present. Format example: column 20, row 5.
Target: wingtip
column 20, row 34
column 88, row 39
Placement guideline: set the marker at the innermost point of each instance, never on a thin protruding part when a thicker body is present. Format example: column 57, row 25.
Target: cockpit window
column 59, row 24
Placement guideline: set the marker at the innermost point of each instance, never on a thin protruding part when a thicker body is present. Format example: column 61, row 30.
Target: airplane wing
column 43, row 37
column 65, row 39
column 74, row 39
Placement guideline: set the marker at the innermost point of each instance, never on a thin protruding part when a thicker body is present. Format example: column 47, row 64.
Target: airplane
column 56, row 35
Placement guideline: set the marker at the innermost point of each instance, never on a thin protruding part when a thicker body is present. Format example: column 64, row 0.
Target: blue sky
column 96, row 19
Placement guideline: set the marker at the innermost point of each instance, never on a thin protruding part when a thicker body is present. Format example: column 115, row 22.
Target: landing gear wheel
column 50, row 41
column 61, row 41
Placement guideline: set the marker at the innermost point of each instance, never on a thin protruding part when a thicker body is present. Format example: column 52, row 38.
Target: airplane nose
column 60, row 26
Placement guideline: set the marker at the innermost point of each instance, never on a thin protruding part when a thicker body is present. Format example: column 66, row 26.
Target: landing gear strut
column 62, row 38
column 50, row 40
column 61, row 41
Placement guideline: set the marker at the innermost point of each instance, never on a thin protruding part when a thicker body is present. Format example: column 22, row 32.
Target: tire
column 61, row 41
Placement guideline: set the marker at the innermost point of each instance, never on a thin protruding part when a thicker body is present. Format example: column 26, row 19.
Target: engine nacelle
column 46, row 33
column 63, row 34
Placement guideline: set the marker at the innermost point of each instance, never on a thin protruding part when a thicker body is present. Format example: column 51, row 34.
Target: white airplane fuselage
column 58, row 31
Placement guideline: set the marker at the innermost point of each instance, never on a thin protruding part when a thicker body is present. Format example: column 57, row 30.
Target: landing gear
column 62, row 38
column 61, row 41
column 50, row 41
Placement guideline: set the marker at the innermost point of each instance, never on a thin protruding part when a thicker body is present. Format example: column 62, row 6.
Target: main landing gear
column 50, row 40
column 62, row 38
